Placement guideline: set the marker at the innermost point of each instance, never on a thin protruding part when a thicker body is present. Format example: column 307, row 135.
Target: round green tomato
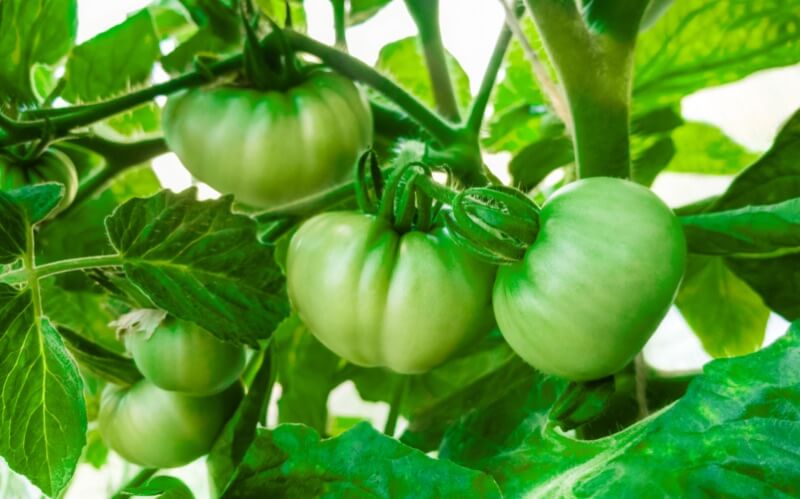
column 156, row 428
column 597, row 281
column 51, row 166
column 270, row 148
column 183, row 357
column 378, row 298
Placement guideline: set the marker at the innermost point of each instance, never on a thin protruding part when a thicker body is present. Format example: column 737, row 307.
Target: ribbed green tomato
column 270, row 148
column 156, row 428
column 597, row 281
column 181, row 356
column 51, row 166
column 378, row 298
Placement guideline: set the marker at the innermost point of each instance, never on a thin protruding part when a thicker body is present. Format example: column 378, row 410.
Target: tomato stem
column 593, row 54
column 426, row 16
column 49, row 269
column 339, row 18
column 478, row 107
column 398, row 397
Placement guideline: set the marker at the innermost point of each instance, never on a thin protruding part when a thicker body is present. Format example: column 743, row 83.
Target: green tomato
column 51, row 166
column 270, row 148
column 156, row 428
column 378, row 298
column 597, row 281
column 183, row 357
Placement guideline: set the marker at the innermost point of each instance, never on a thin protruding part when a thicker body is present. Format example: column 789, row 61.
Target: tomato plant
column 379, row 298
column 271, row 148
column 182, row 427
column 597, row 281
column 180, row 356
column 528, row 250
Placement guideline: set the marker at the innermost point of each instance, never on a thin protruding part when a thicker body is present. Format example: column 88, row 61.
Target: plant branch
column 641, row 372
column 339, row 24
column 62, row 266
column 552, row 92
column 481, row 101
column 426, row 16
column 398, row 397
column 17, row 132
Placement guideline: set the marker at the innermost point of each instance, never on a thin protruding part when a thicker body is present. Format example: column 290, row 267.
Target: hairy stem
column 60, row 267
column 339, row 24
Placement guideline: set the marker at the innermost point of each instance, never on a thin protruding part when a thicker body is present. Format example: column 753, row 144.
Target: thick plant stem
column 595, row 68
column 426, row 17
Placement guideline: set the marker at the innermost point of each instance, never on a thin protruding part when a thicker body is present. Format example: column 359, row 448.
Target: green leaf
column 536, row 160
column 649, row 157
column 774, row 178
column 113, row 61
column 702, row 148
column 37, row 201
column 307, row 372
column 139, row 123
column 727, row 316
column 736, row 432
column 702, row 43
column 404, row 62
column 292, row 461
column 760, row 231
column 32, row 32
column 203, row 42
column 165, row 487
column 240, row 431
column 361, row 10
column 99, row 361
column 201, row 263
column 42, row 412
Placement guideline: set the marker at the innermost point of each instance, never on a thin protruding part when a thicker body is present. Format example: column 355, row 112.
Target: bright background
column 750, row 112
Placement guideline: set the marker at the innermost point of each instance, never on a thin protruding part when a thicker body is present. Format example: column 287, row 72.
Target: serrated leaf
column 774, row 178
column 201, row 262
column 701, row 43
column 42, row 412
column 727, row 316
column 404, row 62
column 361, row 10
column 126, row 54
column 702, row 148
column 736, row 432
column 30, row 33
column 758, row 231
column 99, row 361
column 292, row 461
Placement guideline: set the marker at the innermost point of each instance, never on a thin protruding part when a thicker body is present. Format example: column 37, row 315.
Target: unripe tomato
column 51, row 166
column 597, row 281
column 181, row 356
column 156, row 428
column 270, row 148
column 378, row 298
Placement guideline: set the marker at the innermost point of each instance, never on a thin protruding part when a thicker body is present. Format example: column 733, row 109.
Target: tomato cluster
column 591, row 289
column 190, row 389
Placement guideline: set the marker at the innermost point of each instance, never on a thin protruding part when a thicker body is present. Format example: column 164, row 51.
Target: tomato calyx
column 497, row 223
column 269, row 64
